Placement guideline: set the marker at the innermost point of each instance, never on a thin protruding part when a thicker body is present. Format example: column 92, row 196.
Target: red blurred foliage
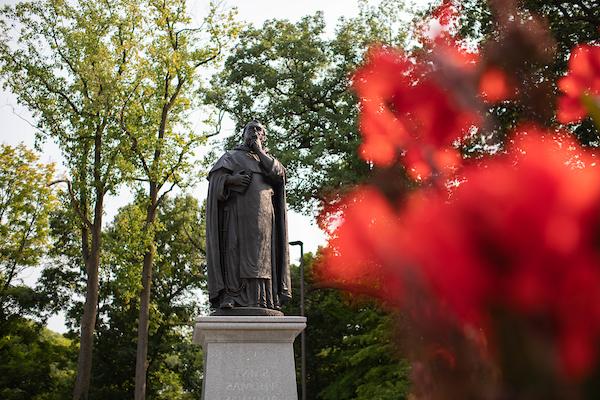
column 494, row 86
column 404, row 111
column 367, row 230
column 520, row 235
column 446, row 13
column 582, row 80
column 514, row 248
column 440, row 25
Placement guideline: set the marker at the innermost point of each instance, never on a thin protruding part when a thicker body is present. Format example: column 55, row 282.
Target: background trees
column 26, row 201
column 111, row 83
column 68, row 63
column 36, row 362
column 294, row 78
column 174, row 365
column 350, row 352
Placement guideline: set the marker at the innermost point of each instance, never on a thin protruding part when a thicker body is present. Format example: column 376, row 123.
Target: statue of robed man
column 246, row 227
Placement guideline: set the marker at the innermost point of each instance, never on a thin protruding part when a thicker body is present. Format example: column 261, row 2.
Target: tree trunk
column 88, row 319
column 141, row 361
column 91, row 255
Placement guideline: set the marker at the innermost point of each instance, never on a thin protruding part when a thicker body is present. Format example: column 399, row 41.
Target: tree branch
column 62, row 55
column 194, row 242
column 74, row 201
column 207, row 60
column 13, row 267
column 132, row 138
column 25, row 119
column 162, row 196
column 182, row 154
column 163, row 119
column 218, row 125
column 43, row 81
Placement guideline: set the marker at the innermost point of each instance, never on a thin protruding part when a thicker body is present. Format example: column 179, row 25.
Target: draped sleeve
column 275, row 172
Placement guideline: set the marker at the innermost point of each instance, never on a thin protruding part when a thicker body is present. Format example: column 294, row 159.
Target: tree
column 180, row 280
column 350, row 349
column 111, row 83
column 155, row 119
column 174, row 363
column 295, row 80
column 569, row 23
column 175, row 284
column 37, row 364
column 26, row 201
column 68, row 63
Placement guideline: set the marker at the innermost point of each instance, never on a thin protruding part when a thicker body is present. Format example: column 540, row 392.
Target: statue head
column 254, row 130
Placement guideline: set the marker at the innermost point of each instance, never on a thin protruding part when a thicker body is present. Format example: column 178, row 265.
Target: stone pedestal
column 248, row 357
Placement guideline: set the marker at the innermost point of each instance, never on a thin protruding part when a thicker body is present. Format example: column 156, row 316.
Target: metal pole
column 303, row 333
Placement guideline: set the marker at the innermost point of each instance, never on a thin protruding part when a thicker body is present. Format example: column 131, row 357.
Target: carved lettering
column 248, row 374
column 255, row 386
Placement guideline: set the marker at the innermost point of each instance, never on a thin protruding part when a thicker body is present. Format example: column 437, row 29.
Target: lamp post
column 302, row 334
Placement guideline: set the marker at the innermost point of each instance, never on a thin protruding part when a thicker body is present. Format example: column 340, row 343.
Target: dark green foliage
column 175, row 364
column 570, row 23
column 350, row 353
column 295, row 80
column 177, row 280
column 37, row 364
column 355, row 358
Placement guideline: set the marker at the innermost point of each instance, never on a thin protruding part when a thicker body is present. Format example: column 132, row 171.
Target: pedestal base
column 248, row 357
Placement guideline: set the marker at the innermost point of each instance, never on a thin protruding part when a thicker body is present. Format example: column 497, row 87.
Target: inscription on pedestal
column 249, row 385
column 253, row 381
column 249, row 358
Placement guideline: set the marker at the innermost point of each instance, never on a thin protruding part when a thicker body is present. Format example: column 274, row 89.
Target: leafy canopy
column 294, row 78
column 26, row 201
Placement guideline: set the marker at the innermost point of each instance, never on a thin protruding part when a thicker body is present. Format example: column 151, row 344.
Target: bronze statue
column 246, row 230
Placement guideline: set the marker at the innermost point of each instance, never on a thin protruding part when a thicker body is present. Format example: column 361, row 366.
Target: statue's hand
column 239, row 179
column 256, row 146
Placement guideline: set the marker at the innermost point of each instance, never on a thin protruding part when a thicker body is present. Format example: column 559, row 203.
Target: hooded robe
column 246, row 233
